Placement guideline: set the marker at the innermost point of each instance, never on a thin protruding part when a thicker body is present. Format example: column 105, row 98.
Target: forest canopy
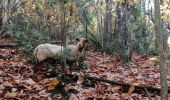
column 107, row 23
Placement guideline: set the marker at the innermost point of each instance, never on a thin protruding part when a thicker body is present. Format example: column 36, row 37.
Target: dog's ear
column 77, row 39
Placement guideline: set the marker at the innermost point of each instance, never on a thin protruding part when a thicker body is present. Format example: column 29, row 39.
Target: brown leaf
column 27, row 87
column 157, row 98
column 109, row 97
column 8, row 84
column 42, row 92
column 14, row 89
column 93, row 64
column 16, row 77
column 124, row 96
column 10, row 95
column 53, row 84
column 45, row 81
column 116, row 88
column 131, row 89
column 73, row 97
column 37, row 87
column 30, row 81
column 2, row 87
column 77, row 18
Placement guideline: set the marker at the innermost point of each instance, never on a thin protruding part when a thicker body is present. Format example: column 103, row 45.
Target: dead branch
column 143, row 87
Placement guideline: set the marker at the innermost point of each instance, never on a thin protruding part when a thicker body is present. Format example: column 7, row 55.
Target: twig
column 148, row 94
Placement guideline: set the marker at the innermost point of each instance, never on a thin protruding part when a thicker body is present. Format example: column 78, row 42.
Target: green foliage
column 144, row 39
column 86, row 75
column 76, row 58
column 136, row 11
column 81, row 61
column 39, row 21
column 67, row 53
column 51, row 2
column 168, row 56
column 29, row 40
column 94, row 42
column 109, row 48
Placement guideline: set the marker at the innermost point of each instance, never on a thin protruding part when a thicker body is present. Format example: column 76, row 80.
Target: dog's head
column 81, row 42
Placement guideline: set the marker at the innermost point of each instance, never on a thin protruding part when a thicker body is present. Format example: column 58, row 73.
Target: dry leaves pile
column 142, row 71
column 17, row 82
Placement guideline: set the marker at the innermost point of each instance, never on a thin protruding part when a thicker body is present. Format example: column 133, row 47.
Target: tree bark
column 159, row 47
column 121, row 35
column 1, row 20
column 99, row 20
column 108, row 22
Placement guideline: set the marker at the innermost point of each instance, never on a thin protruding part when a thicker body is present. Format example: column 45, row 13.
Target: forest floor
column 18, row 82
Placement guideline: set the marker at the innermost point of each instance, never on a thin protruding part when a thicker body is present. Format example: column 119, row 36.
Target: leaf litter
column 17, row 81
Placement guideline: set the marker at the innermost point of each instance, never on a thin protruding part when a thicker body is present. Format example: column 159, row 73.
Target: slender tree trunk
column 159, row 46
column 1, row 19
column 108, row 22
column 84, row 18
column 130, row 35
column 63, row 33
column 121, row 35
column 99, row 24
column 99, row 14
column 165, row 37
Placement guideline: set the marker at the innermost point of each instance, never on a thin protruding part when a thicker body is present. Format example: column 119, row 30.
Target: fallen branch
column 143, row 87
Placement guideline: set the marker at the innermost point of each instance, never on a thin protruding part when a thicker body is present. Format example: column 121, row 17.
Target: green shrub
column 168, row 56
column 27, row 41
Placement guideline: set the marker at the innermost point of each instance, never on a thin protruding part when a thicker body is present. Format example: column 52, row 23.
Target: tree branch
column 143, row 87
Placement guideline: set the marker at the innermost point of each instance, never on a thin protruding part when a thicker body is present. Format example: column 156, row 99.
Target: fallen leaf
column 73, row 97
column 109, row 97
column 131, row 89
column 57, row 96
column 10, row 95
column 30, row 81
column 16, row 77
column 37, row 87
column 157, row 98
column 116, row 88
column 8, row 84
column 49, row 98
column 26, row 86
column 1, row 87
column 14, row 89
column 42, row 92
column 53, row 84
column 93, row 64
column 45, row 81
column 124, row 96
column 1, row 80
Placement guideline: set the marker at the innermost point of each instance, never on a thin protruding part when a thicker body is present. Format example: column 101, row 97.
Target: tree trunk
column 159, row 47
column 99, row 20
column 63, row 33
column 165, row 36
column 130, row 36
column 108, row 22
column 121, row 35
column 1, row 20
